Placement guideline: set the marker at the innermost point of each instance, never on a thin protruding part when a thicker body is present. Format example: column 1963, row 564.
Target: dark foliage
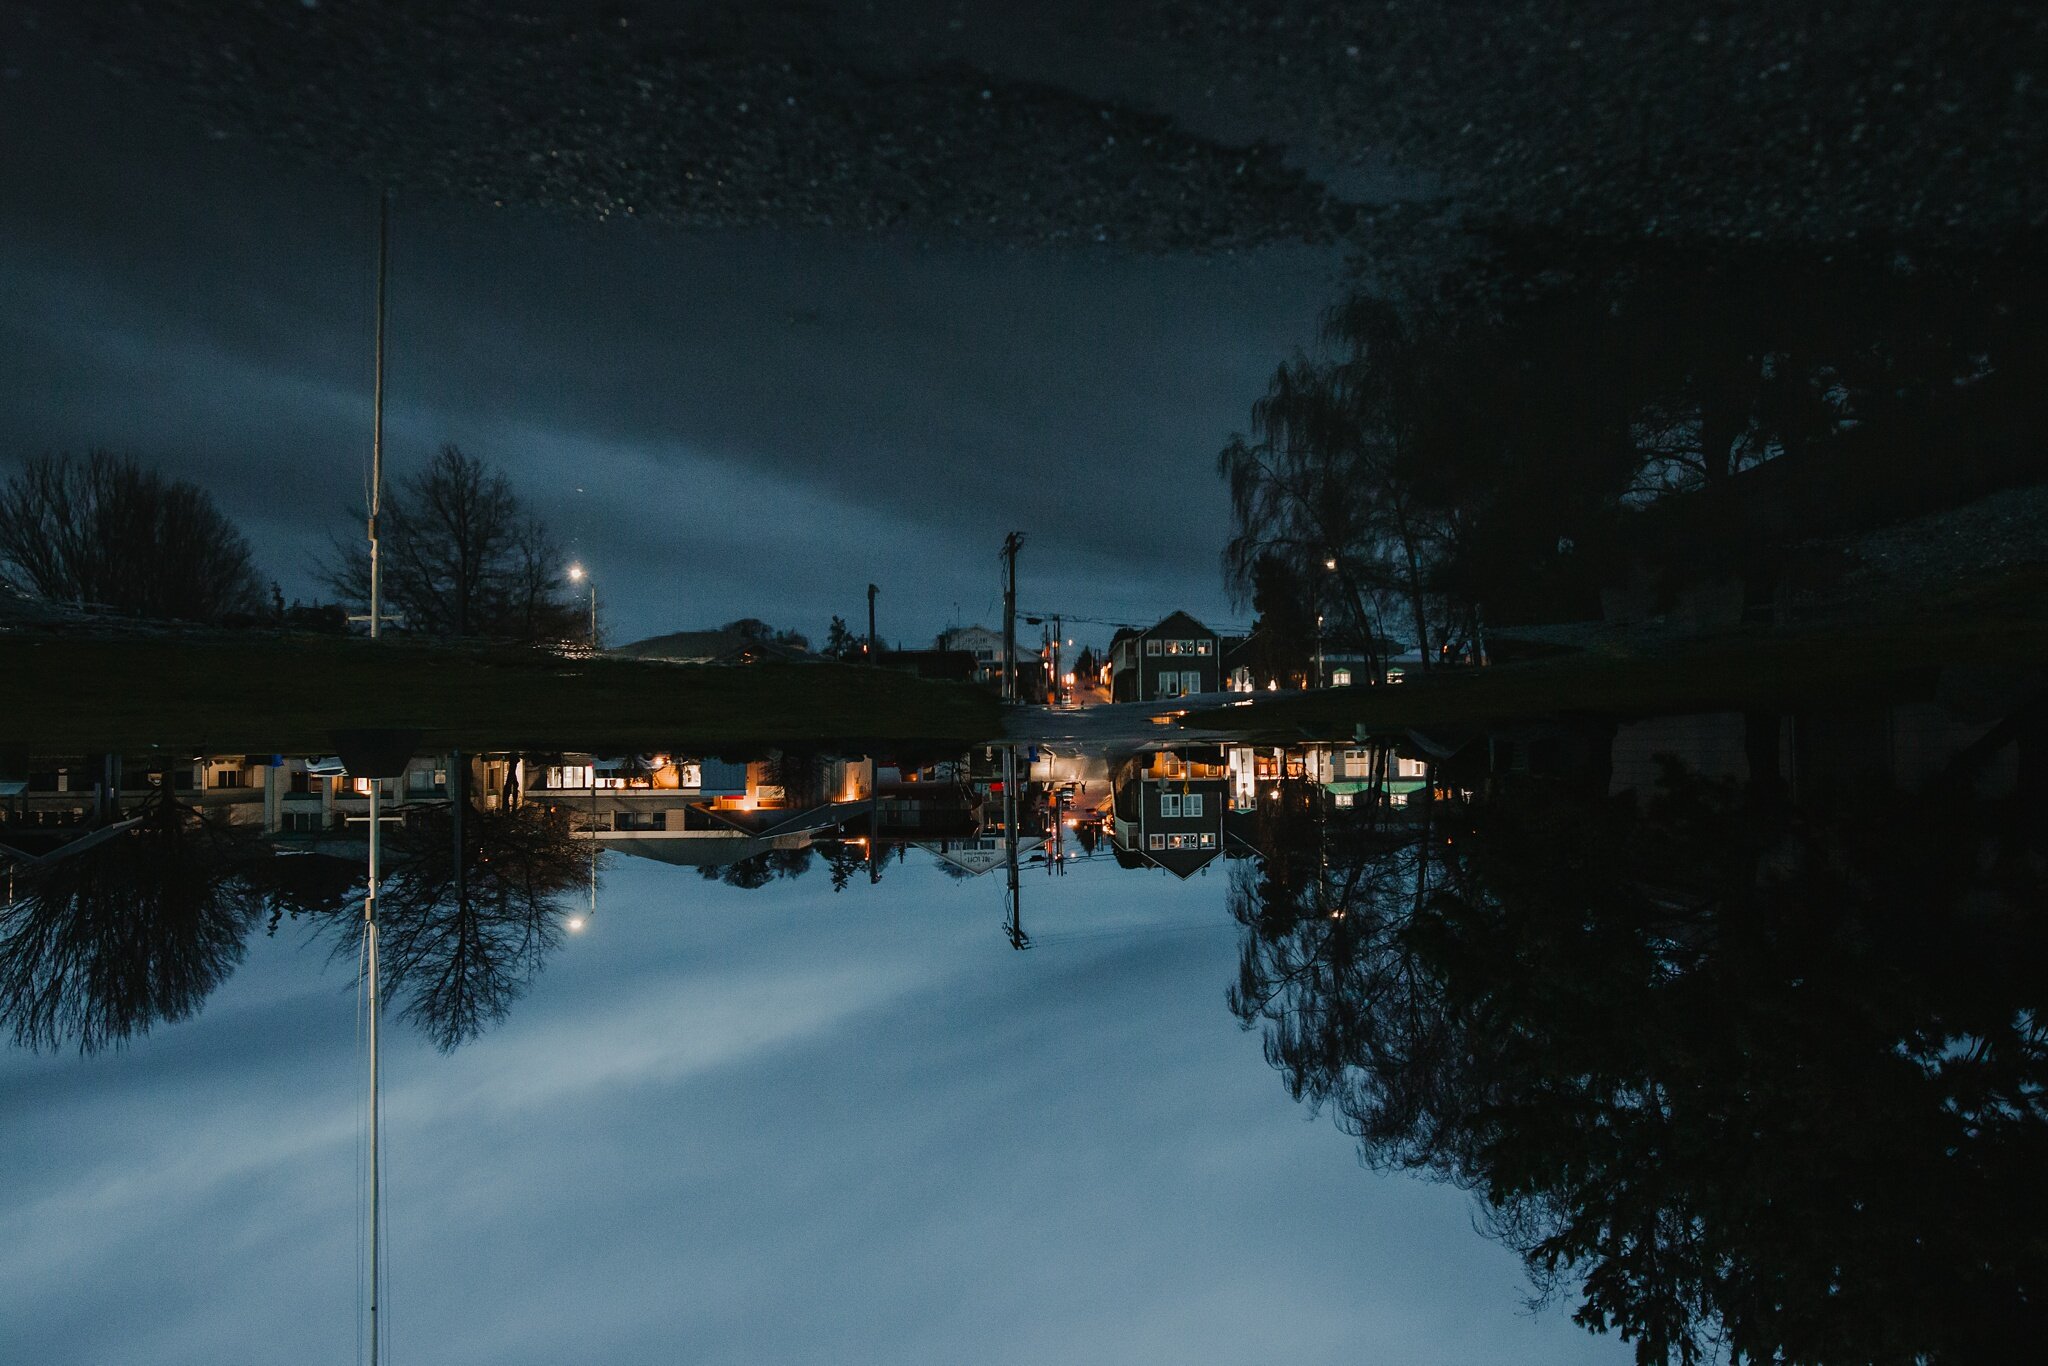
column 137, row 924
column 102, row 531
column 1463, row 439
column 1759, row 1087
column 461, row 556
column 842, row 643
column 470, row 910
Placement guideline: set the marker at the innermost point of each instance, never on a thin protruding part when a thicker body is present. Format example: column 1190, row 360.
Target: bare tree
column 470, row 910
column 462, row 557
column 104, row 531
column 132, row 925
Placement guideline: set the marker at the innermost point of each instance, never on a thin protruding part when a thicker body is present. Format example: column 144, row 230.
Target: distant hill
column 711, row 647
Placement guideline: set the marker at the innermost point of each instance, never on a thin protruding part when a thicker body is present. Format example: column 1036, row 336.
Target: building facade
column 1176, row 658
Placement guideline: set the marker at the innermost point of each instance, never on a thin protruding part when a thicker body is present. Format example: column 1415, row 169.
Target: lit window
column 1340, row 678
column 1157, row 842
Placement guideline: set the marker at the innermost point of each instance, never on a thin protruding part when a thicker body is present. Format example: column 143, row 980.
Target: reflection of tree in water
column 135, row 923
column 1766, row 1086
column 752, row 874
column 469, row 909
column 846, row 860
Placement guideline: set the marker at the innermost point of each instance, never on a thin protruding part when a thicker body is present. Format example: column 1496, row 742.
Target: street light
column 577, row 574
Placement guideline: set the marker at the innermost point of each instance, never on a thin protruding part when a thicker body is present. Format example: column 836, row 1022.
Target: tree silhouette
column 469, row 911
column 1760, row 1085
column 104, row 531
column 135, row 924
column 461, row 556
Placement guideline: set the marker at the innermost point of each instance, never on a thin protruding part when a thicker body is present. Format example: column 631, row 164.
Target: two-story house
column 1176, row 658
column 979, row 641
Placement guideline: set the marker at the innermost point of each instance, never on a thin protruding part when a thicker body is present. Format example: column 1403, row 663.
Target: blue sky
column 779, row 1126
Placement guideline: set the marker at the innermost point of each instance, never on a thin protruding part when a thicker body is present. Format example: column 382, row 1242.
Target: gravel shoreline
column 1737, row 121
column 736, row 121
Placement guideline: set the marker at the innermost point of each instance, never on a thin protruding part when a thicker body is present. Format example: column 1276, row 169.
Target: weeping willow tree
column 137, row 922
column 1333, row 485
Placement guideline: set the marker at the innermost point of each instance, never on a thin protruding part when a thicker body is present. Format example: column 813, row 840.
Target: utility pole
column 874, row 652
column 1059, row 635
column 376, row 784
column 1011, row 543
column 377, row 436
column 1014, row 929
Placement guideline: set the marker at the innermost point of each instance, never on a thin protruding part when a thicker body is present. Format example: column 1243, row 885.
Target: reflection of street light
column 577, row 574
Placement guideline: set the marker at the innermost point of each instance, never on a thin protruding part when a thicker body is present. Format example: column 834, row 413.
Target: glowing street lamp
column 577, row 574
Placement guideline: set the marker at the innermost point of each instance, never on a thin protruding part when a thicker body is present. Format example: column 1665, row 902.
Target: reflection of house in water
column 933, row 802
column 1969, row 737
column 978, row 854
column 683, row 810
column 1351, row 775
column 278, row 795
column 1169, row 808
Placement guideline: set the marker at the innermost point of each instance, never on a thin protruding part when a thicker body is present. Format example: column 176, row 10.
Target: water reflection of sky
column 768, row 1126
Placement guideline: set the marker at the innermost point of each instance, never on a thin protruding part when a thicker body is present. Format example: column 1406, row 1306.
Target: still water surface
column 782, row 1124
column 1726, row 1024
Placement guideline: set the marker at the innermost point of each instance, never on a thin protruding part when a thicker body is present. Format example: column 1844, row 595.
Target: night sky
column 719, row 425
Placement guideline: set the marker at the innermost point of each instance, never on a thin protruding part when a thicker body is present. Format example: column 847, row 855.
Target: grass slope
column 1736, row 671
column 284, row 694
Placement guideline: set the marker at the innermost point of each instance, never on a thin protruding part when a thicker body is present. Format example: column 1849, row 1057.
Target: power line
column 1231, row 627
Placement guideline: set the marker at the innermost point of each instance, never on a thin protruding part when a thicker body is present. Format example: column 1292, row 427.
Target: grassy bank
column 1734, row 671
column 266, row 694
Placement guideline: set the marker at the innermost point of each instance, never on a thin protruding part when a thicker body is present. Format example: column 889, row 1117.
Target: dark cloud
column 722, row 424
